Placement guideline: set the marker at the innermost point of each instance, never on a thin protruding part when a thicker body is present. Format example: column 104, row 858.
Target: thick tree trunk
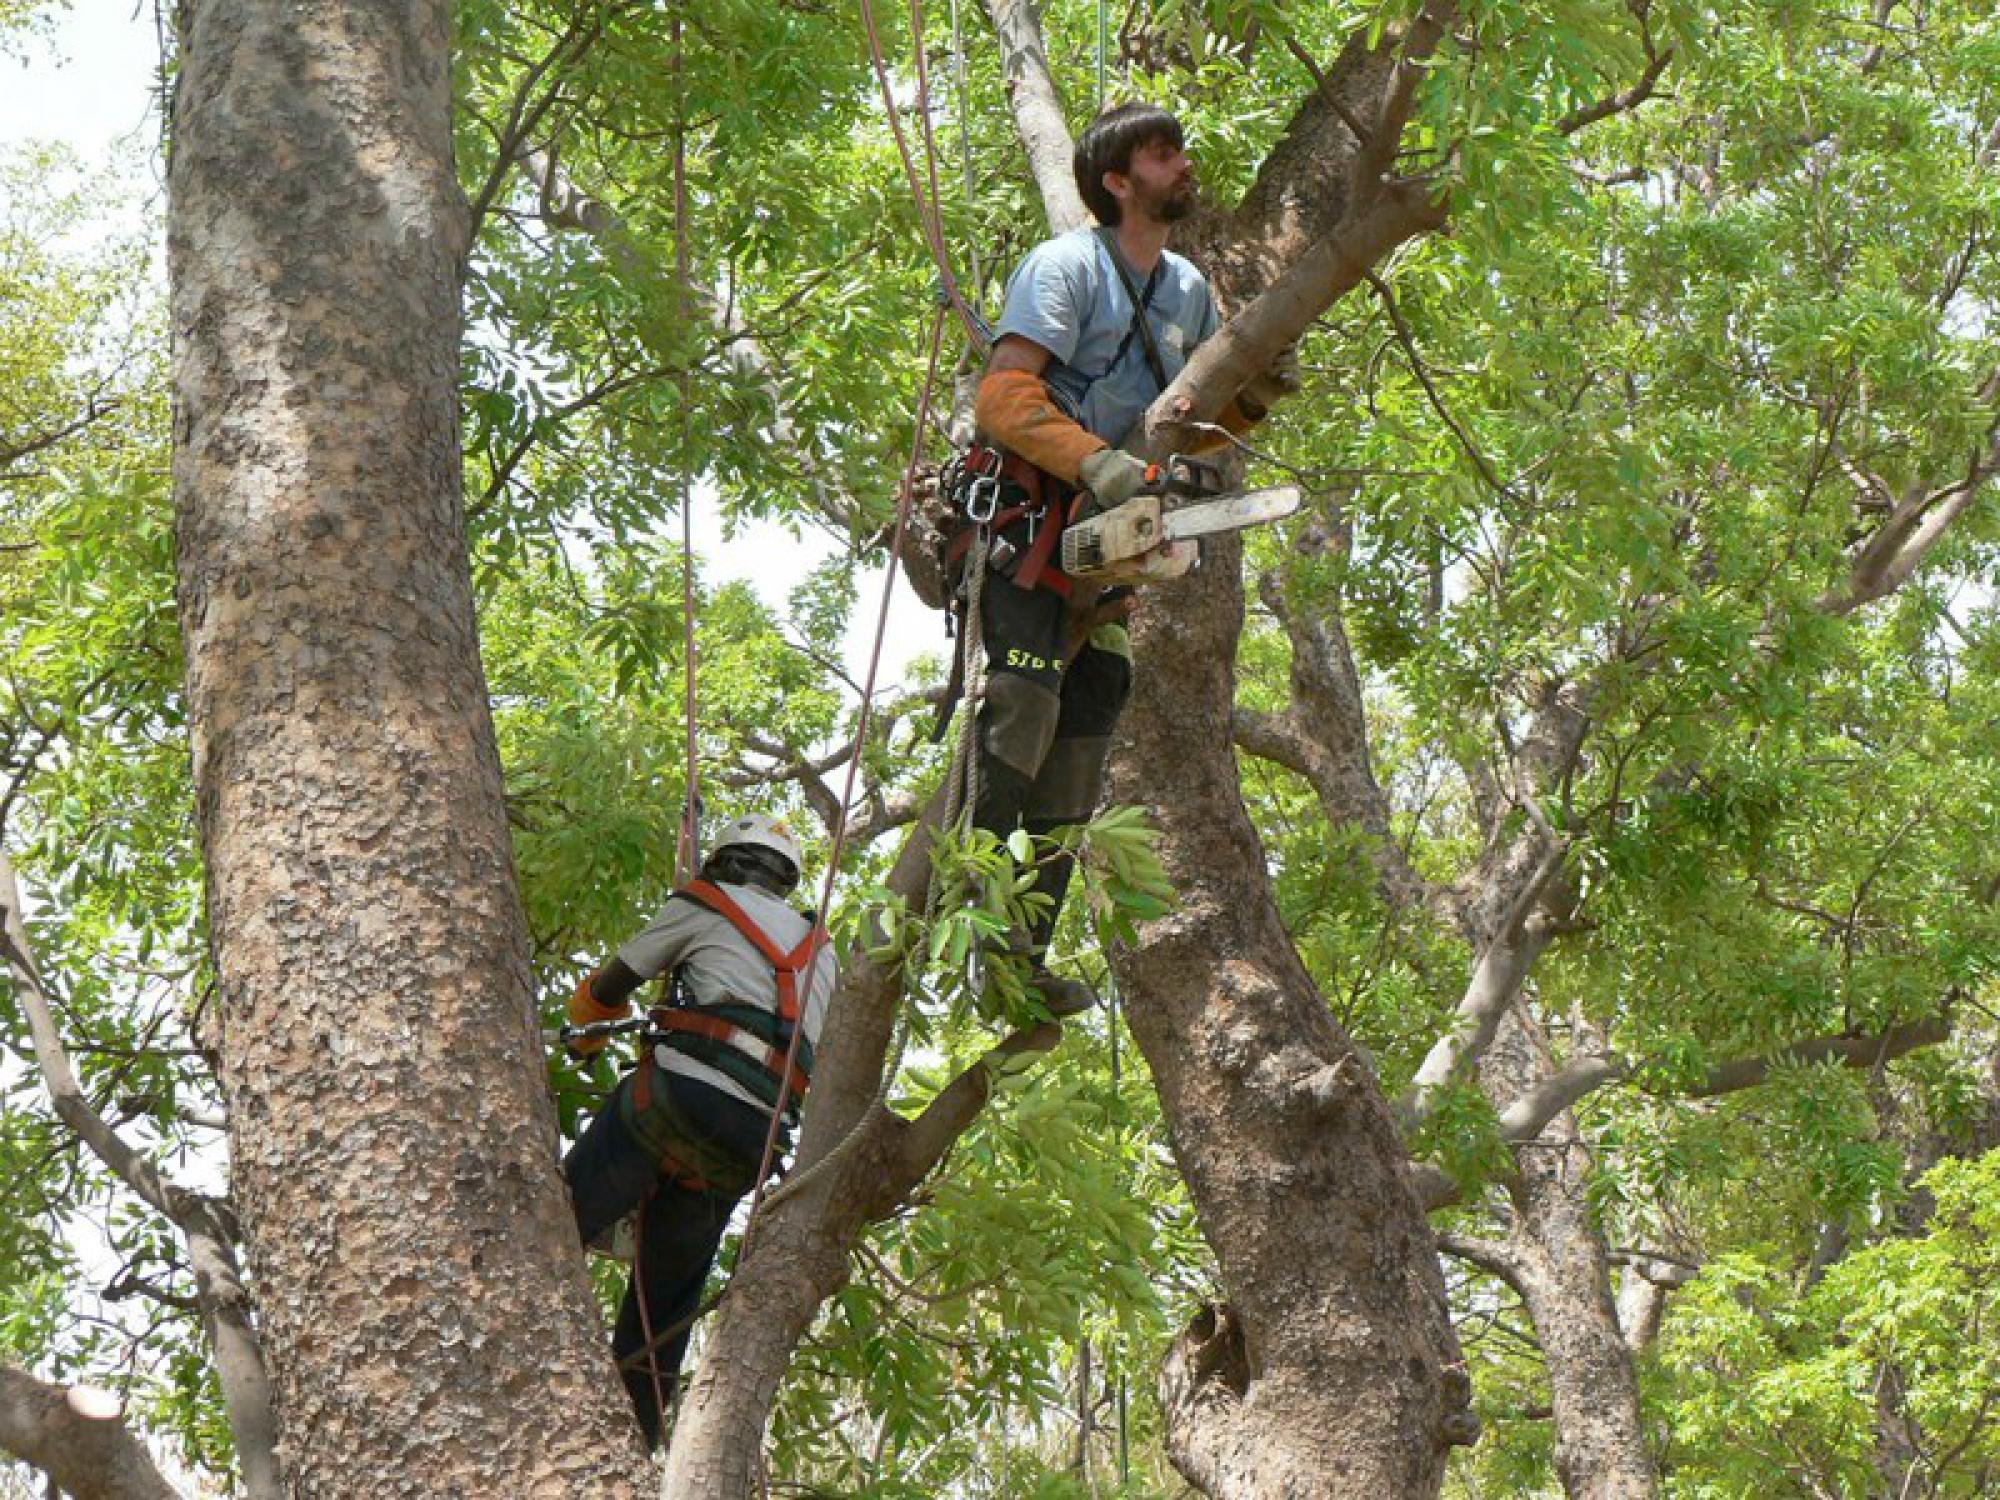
column 1334, row 1370
column 424, row 1307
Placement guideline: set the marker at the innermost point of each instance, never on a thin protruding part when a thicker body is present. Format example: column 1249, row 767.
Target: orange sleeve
column 1015, row 411
column 585, row 1009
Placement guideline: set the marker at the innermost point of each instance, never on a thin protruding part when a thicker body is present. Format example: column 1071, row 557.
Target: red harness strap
column 786, row 966
column 718, row 1030
column 1037, row 567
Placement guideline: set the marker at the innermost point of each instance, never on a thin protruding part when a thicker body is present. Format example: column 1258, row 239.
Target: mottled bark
column 1333, row 1370
column 77, row 1436
column 425, row 1312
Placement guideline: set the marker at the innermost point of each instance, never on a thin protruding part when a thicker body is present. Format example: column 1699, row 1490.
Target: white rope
column 962, row 794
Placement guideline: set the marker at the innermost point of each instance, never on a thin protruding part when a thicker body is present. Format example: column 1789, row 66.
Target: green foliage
column 1623, row 435
column 1781, row 1389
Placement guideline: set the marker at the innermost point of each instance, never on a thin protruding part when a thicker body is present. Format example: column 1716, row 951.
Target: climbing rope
column 932, row 225
column 964, row 114
column 687, row 849
column 927, row 211
column 962, row 782
column 903, row 504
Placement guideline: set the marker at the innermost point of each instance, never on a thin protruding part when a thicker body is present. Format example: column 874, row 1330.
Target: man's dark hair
column 739, row 864
column 1109, row 145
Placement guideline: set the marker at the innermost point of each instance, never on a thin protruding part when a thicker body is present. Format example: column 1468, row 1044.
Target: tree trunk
column 426, row 1316
column 1600, row 1442
column 1334, row 1370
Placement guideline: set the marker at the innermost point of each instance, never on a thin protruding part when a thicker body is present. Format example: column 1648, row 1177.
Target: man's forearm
column 604, row 995
column 1016, row 411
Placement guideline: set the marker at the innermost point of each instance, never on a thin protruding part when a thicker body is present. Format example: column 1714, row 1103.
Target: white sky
column 91, row 86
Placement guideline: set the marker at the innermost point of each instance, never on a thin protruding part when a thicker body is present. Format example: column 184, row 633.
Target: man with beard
column 1098, row 322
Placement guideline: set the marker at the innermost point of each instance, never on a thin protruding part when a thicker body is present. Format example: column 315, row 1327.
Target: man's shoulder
column 1077, row 249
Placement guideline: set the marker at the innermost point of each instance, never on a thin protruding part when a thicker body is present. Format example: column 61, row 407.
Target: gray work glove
column 1113, row 476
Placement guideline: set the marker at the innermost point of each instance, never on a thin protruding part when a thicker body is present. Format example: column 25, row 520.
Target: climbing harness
column 748, row 1044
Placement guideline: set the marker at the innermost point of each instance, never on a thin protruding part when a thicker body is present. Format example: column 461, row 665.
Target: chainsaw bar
column 1230, row 512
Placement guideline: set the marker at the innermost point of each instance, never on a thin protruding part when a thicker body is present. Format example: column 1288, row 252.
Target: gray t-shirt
column 1067, row 297
column 718, row 965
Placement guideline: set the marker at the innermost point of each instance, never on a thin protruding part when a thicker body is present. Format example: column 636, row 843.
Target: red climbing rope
column 687, row 848
column 927, row 209
column 903, row 503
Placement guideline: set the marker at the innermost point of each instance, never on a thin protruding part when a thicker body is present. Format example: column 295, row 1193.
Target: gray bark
column 77, row 1436
column 1601, row 1449
column 202, row 1221
column 425, row 1312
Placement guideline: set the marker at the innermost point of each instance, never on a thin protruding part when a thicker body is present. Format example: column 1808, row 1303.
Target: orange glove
column 586, row 1010
column 1016, row 411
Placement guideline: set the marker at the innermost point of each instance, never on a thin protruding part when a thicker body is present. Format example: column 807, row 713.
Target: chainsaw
column 1150, row 537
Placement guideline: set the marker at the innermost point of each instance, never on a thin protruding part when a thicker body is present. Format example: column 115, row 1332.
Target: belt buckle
column 982, row 500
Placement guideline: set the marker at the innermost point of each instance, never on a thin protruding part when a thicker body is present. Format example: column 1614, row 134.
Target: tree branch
column 204, row 1223
column 1385, row 132
column 1916, row 525
column 1502, row 968
column 1620, row 103
column 1246, row 345
column 1038, row 112
column 940, row 1123
column 1324, row 737
column 13, row 452
column 1527, row 1116
column 77, row 1436
column 1489, row 1256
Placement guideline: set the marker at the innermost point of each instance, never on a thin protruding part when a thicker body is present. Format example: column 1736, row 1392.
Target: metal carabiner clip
column 982, row 500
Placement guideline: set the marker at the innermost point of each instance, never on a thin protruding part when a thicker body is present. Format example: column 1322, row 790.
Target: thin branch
column 206, row 1225
column 1620, row 103
column 12, row 453
column 1407, row 339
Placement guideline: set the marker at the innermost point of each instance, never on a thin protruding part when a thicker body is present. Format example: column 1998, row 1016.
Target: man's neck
column 1140, row 241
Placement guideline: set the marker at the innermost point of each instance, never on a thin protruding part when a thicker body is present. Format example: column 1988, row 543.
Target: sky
column 91, row 84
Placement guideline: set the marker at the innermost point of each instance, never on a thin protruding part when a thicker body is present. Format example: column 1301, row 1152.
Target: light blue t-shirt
column 1067, row 297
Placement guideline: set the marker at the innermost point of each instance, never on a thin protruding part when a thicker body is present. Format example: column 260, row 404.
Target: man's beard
column 1177, row 202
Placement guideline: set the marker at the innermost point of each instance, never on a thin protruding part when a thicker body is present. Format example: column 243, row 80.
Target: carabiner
column 982, row 500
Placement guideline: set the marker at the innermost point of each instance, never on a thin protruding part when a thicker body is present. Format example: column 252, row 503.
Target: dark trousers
column 611, row 1172
column 1046, row 723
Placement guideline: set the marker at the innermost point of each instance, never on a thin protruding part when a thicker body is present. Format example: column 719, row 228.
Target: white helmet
column 755, row 831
